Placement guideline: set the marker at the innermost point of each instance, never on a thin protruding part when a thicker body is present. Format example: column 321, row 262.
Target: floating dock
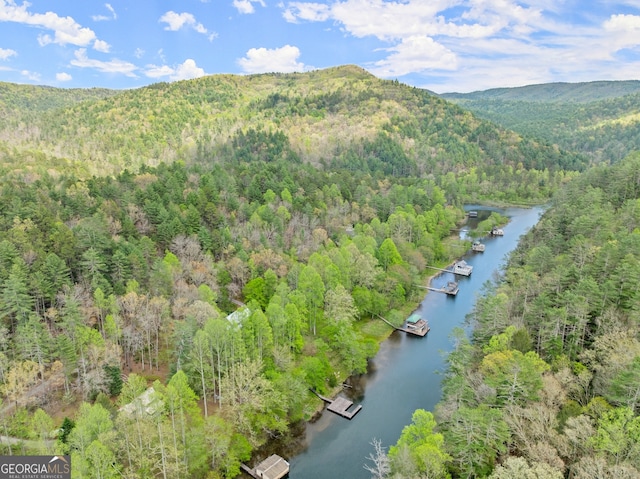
column 459, row 267
column 414, row 325
column 273, row 467
column 340, row 406
column 451, row 288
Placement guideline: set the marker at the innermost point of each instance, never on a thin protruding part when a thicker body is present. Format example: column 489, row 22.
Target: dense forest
column 113, row 285
column 600, row 120
column 180, row 264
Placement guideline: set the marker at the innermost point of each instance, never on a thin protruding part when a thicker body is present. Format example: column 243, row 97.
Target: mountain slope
column 598, row 119
column 341, row 116
column 24, row 98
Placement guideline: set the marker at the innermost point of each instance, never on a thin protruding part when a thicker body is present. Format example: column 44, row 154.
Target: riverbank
column 405, row 374
column 297, row 442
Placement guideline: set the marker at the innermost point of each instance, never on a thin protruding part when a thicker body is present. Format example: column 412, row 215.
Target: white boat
column 495, row 231
column 461, row 267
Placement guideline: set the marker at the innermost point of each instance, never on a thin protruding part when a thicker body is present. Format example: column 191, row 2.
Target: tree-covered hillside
column 600, row 120
column 25, row 99
column 339, row 117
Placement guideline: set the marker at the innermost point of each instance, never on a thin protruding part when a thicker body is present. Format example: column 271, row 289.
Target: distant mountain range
column 587, row 92
column 598, row 119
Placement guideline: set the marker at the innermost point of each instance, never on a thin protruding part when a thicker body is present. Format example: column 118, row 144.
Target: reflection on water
column 405, row 374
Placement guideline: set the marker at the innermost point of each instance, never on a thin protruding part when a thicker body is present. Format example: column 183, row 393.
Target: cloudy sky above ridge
column 441, row 45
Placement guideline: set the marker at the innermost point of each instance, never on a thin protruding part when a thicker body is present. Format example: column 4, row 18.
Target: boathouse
column 273, row 467
column 461, row 267
column 478, row 247
column 416, row 325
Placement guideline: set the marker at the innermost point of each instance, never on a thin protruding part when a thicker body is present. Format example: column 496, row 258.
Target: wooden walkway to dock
column 339, row 405
column 421, row 332
column 440, row 269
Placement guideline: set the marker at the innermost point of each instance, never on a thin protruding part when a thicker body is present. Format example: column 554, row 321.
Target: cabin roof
column 239, row 315
column 145, row 402
column 273, row 467
column 414, row 318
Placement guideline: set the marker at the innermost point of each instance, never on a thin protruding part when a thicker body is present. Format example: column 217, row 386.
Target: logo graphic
column 35, row 467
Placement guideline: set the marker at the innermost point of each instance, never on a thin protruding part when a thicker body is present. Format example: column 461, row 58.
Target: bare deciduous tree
column 381, row 466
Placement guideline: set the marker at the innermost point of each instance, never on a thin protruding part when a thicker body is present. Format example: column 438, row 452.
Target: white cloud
column 65, row 29
column 7, row 53
column 382, row 19
column 33, row 76
column 103, row 18
column 484, row 43
column 415, row 54
column 311, row 12
column 101, row 46
column 138, row 53
column 62, row 76
column 623, row 30
column 263, row 60
column 176, row 21
column 188, row 70
column 155, row 71
column 112, row 66
column 246, row 6
column 185, row 71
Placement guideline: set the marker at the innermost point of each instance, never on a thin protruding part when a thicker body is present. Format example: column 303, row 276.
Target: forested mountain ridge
column 335, row 117
column 599, row 119
column 585, row 92
column 22, row 99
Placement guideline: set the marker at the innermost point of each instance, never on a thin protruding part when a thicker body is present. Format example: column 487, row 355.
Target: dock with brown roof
column 273, row 467
column 340, row 406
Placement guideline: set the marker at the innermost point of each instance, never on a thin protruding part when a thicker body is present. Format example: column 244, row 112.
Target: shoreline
column 297, row 430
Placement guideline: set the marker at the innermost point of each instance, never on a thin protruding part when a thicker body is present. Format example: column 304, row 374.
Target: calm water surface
column 404, row 375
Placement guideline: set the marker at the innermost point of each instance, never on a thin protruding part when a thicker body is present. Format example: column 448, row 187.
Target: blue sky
column 441, row 45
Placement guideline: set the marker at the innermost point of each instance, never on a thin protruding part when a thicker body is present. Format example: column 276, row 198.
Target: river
column 405, row 374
